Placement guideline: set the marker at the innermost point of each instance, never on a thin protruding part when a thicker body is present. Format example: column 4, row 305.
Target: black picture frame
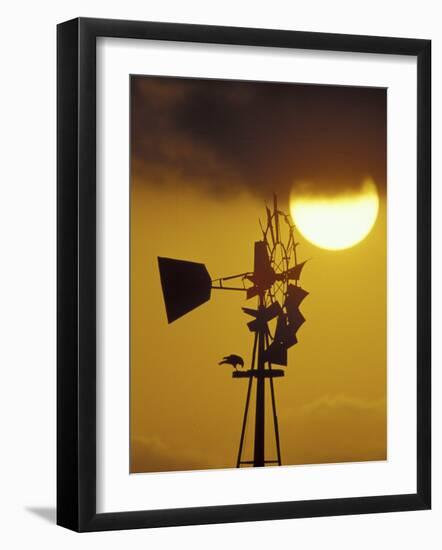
column 76, row 274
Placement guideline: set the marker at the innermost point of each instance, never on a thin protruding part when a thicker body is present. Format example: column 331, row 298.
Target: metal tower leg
column 246, row 410
column 258, row 455
column 275, row 417
column 275, row 421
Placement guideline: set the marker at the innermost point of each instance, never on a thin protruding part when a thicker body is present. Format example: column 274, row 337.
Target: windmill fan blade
column 295, row 320
column 269, row 224
column 186, row 285
column 252, row 292
column 249, row 311
column 281, row 328
column 264, row 316
column 295, row 295
column 284, row 332
column 295, row 272
column 272, row 311
column 276, row 354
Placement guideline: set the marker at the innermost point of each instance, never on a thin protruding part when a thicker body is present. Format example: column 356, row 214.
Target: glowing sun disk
column 337, row 222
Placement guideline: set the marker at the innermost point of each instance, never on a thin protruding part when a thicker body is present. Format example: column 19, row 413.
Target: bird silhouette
column 233, row 360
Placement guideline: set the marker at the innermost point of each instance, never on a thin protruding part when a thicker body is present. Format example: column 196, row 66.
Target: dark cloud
column 223, row 136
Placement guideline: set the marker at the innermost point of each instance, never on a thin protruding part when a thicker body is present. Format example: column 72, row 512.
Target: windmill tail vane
column 274, row 321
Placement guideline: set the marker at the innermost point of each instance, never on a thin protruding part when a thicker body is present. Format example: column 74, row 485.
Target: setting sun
column 336, row 222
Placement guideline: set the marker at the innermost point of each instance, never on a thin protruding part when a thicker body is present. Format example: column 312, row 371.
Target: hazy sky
column 205, row 156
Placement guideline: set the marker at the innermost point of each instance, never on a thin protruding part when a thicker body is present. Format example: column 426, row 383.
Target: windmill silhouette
column 274, row 282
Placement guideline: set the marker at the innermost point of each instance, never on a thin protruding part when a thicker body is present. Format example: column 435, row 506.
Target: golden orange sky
column 186, row 410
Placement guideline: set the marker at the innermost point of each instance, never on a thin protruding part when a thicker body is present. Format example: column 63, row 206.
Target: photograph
column 258, row 274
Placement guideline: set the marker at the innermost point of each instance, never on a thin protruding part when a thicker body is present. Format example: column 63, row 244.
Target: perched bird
column 233, row 360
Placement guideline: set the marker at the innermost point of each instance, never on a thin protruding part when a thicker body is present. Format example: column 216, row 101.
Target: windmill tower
column 274, row 283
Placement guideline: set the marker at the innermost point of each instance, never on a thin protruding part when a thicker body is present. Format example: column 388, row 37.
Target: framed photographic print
column 243, row 274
